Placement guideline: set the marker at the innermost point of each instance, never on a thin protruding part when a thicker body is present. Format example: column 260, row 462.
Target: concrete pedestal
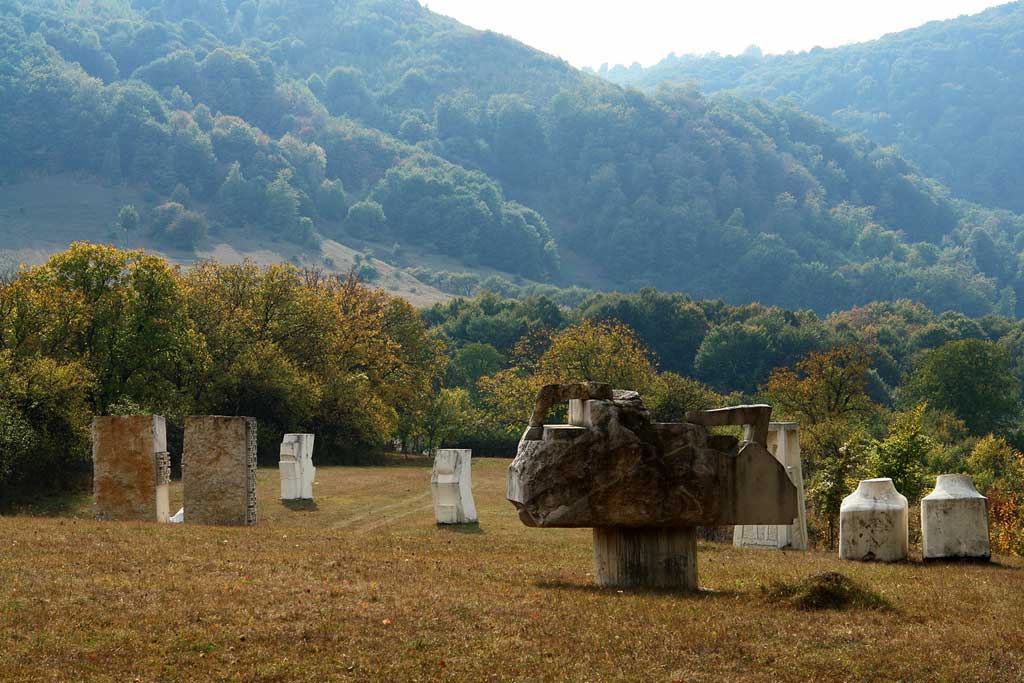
column 646, row 557
column 873, row 523
column 954, row 520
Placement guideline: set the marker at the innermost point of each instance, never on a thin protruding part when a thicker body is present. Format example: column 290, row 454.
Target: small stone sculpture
column 452, row 487
column 218, row 470
column 954, row 520
column 644, row 486
column 131, row 468
column 873, row 523
column 296, row 467
column 784, row 444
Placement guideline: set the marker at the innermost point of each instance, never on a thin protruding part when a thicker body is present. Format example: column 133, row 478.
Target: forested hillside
column 378, row 120
column 949, row 94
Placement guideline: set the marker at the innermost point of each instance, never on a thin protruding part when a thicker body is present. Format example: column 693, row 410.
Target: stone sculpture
column 873, row 523
column 131, row 468
column 452, row 487
column 218, row 470
column 784, row 444
column 954, row 520
column 296, row 467
column 644, row 486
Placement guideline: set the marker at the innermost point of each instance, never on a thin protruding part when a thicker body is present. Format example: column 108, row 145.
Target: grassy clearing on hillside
column 364, row 586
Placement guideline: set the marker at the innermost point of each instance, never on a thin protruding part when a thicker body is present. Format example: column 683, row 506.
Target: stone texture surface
column 451, row 486
column 954, row 520
column 296, row 467
column 657, row 558
column 754, row 418
column 218, row 470
column 626, row 471
column 131, row 468
column 873, row 523
column 784, row 444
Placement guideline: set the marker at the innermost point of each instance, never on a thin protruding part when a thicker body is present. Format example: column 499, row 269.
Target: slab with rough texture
column 218, row 470
column 784, row 444
column 954, row 520
column 451, row 486
column 873, row 523
column 296, row 467
column 131, row 468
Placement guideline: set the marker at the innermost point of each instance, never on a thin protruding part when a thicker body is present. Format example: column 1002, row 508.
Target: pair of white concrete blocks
column 873, row 522
column 296, row 467
column 451, row 485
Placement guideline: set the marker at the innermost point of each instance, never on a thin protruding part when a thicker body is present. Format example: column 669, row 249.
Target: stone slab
column 784, row 444
column 131, row 468
column 218, row 470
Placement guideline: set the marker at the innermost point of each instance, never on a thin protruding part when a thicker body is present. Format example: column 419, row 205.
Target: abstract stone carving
column 784, row 444
column 954, row 520
column 873, row 523
column 218, row 470
column 452, row 487
column 296, row 467
column 131, row 468
column 643, row 486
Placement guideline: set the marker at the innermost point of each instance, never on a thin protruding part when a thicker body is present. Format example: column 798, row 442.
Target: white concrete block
column 784, row 444
column 954, row 520
column 452, row 487
column 296, row 467
column 873, row 523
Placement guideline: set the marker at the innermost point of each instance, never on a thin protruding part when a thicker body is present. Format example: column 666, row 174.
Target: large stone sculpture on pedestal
column 644, row 486
column 954, row 520
column 452, row 487
column 784, row 444
column 873, row 523
column 131, row 468
column 296, row 467
column 218, row 470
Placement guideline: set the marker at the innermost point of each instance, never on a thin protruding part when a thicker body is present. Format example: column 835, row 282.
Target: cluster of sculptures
column 644, row 487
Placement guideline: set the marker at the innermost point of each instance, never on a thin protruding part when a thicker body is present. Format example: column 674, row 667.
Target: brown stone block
column 218, row 470
column 131, row 467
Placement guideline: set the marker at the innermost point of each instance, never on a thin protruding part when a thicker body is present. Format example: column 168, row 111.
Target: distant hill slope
column 379, row 122
column 950, row 94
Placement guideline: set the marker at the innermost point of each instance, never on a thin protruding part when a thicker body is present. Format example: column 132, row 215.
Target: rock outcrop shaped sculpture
column 296, row 467
column 873, row 523
column 954, row 520
column 644, row 486
column 451, row 485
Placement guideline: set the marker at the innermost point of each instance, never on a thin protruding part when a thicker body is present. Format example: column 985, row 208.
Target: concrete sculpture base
column 954, row 520
column 296, row 467
column 873, row 523
column 651, row 557
column 131, row 468
column 451, row 485
column 218, row 470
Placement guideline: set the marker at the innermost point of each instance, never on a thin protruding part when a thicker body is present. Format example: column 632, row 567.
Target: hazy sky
column 590, row 32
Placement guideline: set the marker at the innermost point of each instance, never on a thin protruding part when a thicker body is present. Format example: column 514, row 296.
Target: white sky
column 590, row 32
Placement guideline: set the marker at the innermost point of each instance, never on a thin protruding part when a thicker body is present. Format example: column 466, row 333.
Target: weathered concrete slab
column 218, row 470
column 131, row 468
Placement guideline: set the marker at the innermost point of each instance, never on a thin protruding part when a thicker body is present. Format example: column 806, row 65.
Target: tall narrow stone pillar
column 218, row 470
column 296, row 467
column 131, row 467
column 452, row 487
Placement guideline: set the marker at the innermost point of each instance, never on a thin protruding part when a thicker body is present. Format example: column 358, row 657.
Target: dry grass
column 366, row 587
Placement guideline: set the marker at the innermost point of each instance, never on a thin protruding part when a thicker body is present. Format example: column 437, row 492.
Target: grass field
column 364, row 586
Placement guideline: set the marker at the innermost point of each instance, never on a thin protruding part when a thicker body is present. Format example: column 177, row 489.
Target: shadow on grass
column 612, row 590
column 472, row 528
column 301, row 505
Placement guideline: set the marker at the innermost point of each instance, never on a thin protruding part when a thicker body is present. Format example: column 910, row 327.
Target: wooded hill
column 949, row 94
column 379, row 120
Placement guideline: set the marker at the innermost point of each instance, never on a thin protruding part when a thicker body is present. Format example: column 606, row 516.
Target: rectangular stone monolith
column 131, row 467
column 784, row 444
column 218, row 470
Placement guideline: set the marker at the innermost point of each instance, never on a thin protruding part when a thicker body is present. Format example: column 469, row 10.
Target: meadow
column 362, row 585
